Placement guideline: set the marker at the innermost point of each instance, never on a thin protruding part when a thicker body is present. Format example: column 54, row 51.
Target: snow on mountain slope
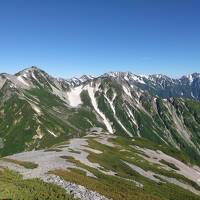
column 23, row 81
column 74, row 96
column 38, row 111
column 114, row 112
column 91, row 91
column 118, row 102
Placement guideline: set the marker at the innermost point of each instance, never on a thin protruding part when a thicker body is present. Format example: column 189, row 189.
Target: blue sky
column 74, row 37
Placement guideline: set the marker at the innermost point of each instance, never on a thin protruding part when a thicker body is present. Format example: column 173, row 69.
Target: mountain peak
column 190, row 77
column 116, row 74
column 30, row 70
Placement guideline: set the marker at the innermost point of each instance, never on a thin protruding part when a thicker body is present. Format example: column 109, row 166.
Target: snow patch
column 91, row 92
column 19, row 78
column 74, row 96
column 52, row 133
column 192, row 95
column 131, row 116
column 190, row 78
column 138, row 79
column 36, row 109
column 127, row 91
column 113, row 109
column 33, row 75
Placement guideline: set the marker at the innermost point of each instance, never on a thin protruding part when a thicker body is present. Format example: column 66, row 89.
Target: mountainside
column 118, row 136
column 38, row 110
column 100, row 167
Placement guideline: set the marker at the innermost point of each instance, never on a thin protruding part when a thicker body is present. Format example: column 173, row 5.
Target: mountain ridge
column 92, row 135
column 186, row 86
column 190, row 76
column 158, row 108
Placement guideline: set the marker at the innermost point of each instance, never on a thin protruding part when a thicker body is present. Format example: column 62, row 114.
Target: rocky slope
column 38, row 110
column 102, row 167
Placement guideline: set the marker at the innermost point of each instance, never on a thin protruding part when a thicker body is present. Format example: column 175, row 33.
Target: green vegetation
column 12, row 186
column 123, row 186
column 26, row 164
column 22, row 128
column 113, row 160
column 14, row 125
column 169, row 164
column 51, row 149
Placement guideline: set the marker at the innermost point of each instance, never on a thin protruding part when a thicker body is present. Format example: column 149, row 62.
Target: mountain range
column 117, row 125
column 38, row 110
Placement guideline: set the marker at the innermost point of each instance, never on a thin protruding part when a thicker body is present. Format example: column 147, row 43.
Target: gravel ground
column 191, row 172
column 77, row 191
column 151, row 175
column 78, row 149
column 49, row 160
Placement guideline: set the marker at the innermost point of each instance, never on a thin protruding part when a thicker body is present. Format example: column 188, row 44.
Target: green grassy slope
column 12, row 186
column 123, row 186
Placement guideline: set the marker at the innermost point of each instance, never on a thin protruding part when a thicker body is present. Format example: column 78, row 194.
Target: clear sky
column 74, row 37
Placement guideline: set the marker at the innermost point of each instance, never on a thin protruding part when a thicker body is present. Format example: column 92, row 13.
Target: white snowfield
column 74, row 96
column 20, row 78
column 75, row 100
column 137, row 78
column 127, row 91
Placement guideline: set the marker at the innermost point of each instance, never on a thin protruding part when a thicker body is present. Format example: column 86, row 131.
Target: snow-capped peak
column 85, row 78
column 190, row 77
column 128, row 76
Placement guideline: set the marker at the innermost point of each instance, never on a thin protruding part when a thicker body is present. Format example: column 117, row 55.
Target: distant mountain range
column 38, row 110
